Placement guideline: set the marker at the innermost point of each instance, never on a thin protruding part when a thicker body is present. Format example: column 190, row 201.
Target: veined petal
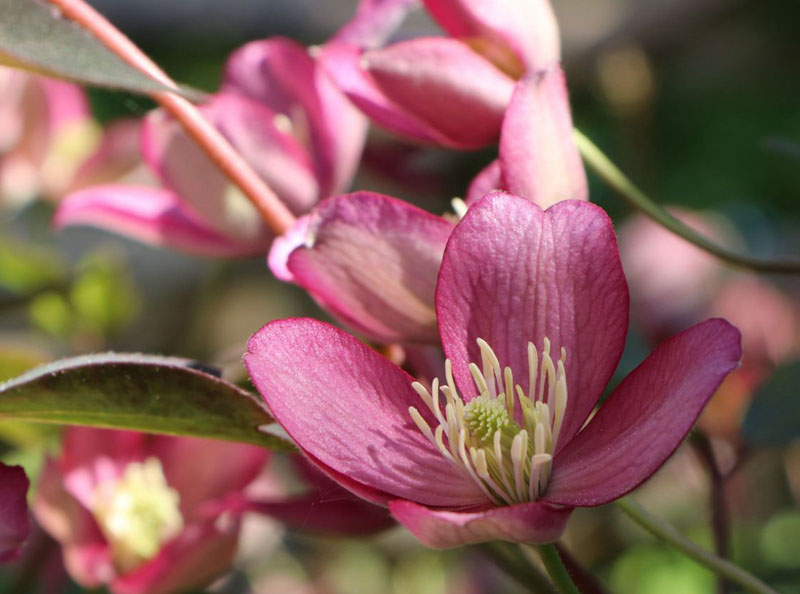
column 14, row 525
column 445, row 84
column 342, row 63
column 646, row 417
column 527, row 29
column 283, row 76
column 150, row 215
column 253, row 130
column 539, row 159
column 347, row 407
column 489, row 179
column 513, row 273
column 525, row 522
column 372, row 261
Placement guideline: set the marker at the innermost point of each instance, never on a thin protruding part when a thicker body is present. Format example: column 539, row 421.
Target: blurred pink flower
column 143, row 513
column 14, row 526
column 449, row 91
column 46, row 130
column 676, row 284
column 535, row 295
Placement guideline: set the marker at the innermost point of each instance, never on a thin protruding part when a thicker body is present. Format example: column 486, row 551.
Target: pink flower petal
column 539, row 159
column 513, row 273
column 445, row 84
column 347, row 407
column 372, row 260
column 252, row 129
column 117, row 156
column 646, row 417
column 527, row 29
column 282, row 75
column 153, row 216
column 374, row 22
column 14, row 527
column 194, row 558
column 342, row 63
column 284, row 245
column 489, row 179
column 526, row 522
column 227, row 468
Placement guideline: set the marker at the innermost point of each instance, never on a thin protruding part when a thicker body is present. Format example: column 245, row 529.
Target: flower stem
column 668, row 534
column 598, row 162
column 514, row 563
column 555, row 567
column 277, row 216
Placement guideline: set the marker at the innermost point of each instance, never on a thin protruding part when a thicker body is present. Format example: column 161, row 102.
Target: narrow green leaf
column 35, row 36
column 141, row 393
column 774, row 415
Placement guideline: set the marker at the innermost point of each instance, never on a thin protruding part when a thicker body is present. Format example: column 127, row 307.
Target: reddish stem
column 273, row 211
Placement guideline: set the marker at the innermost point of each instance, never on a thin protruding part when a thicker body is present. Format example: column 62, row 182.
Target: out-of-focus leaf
column 103, row 294
column 779, row 543
column 35, row 36
column 51, row 313
column 774, row 415
column 25, row 267
column 141, row 393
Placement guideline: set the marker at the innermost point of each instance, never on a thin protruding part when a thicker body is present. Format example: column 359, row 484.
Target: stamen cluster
column 504, row 439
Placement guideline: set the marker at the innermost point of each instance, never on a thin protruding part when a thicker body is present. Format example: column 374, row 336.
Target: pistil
column 504, row 438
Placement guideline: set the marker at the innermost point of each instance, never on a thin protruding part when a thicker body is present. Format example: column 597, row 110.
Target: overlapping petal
column 252, row 129
column 646, row 417
column 489, row 179
column 371, row 260
column 374, row 22
column 281, row 75
column 14, row 525
column 348, row 409
column 526, row 522
column 513, row 273
column 538, row 157
column 430, row 89
column 526, row 30
column 151, row 215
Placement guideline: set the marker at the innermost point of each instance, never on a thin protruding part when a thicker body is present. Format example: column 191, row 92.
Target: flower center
column 137, row 513
column 504, row 439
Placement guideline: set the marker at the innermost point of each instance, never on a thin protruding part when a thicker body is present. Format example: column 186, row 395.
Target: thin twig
column 215, row 145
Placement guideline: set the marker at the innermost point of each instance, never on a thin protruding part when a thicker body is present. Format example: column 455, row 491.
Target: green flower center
column 504, row 438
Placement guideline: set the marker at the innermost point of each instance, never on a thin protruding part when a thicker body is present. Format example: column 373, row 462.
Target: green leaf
column 774, row 415
column 35, row 36
column 141, row 393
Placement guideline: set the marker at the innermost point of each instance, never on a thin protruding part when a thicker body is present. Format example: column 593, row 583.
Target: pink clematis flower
column 46, row 130
column 449, row 91
column 138, row 514
column 14, row 526
column 532, row 310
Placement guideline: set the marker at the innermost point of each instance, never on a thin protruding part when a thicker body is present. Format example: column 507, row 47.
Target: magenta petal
column 526, row 28
column 372, row 260
column 513, row 273
column 342, row 62
column 445, row 84
column 282, row 75
column 284, row 245
column 150, row 215
column 533, row 523
column 253, row 130
column 539, row 159
column 347, row 407
column 646, row 417
column 374, row 22
column 488, row 180
column 194, row 558
column 14, row 525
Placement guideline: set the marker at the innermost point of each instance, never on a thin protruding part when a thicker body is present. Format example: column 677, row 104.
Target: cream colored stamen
column 504, row 439
column 137, row 513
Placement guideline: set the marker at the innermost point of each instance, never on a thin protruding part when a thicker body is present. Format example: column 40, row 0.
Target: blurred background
column 698, row 101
